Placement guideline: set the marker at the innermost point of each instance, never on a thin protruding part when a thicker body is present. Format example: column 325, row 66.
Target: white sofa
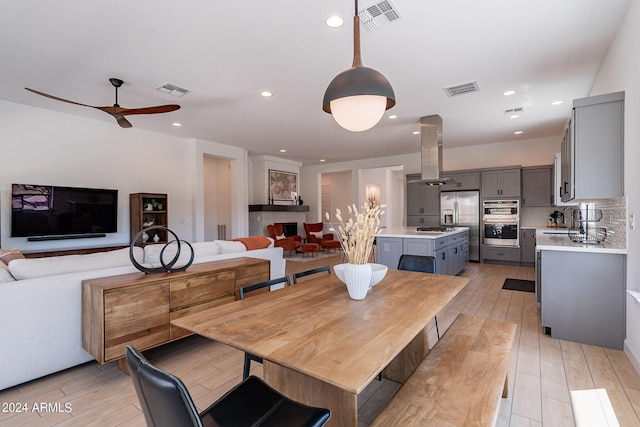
column 41, row 303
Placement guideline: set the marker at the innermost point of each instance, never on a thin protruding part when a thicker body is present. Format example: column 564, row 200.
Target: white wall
column 620, row 71
column 50, row 148
column 342, row 194
column 260, row 166
column 217, row 194
column 47, row 148
column 528, row 152
column 531, row 152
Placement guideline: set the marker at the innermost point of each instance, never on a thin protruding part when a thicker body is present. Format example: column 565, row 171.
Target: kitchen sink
column 565, row 231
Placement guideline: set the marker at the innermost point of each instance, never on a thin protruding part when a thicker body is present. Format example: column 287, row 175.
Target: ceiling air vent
column 172, row 89
column 462, row 88
column 514, row 111
column 378, row 15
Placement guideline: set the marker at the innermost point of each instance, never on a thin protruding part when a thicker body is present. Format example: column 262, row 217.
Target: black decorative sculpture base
column 166, row 267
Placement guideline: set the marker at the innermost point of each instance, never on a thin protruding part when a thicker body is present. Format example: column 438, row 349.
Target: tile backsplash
column 614, row 218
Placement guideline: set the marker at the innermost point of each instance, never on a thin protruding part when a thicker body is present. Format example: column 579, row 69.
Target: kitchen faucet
column 564, row 213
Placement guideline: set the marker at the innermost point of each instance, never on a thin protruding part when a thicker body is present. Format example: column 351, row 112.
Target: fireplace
column 292, row 218
column 289, row 228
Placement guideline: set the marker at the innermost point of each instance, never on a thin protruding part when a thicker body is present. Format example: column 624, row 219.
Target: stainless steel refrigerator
column 462, row 209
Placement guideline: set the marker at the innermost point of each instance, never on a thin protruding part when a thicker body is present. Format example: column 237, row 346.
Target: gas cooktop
column 433, row 229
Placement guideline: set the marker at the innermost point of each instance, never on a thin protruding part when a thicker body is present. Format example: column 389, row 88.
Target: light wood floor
column 542, row 371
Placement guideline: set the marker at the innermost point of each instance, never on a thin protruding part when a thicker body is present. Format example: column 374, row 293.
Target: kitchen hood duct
column 431, row 150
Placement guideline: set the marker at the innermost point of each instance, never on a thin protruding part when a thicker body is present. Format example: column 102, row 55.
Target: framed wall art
column 282, row 184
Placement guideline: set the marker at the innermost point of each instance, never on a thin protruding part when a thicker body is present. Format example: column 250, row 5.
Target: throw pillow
column 254, row 242
column 9, row 255
column 280, row 237
column 5, row 275
column 317, row 234
column 228, row 246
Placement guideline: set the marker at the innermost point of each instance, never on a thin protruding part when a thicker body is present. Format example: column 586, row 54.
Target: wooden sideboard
column 136, row 309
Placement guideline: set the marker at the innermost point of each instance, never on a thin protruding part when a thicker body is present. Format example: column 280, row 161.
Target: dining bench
column 461, row 380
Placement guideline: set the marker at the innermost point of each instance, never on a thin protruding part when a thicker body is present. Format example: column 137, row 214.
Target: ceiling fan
column 116, row 110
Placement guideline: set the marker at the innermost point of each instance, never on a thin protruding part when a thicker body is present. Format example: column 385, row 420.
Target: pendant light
column 358, row 97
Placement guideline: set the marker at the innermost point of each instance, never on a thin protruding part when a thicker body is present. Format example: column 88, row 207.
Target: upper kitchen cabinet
column 461, row 181
column 501, row 183
column 536, row 187
column 592, row 149
column 423, row 202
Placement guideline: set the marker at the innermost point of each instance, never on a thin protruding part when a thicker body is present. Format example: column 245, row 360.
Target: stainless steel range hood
column 431, row 150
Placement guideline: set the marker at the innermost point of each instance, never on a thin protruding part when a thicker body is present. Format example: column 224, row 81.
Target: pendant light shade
column 358, row 97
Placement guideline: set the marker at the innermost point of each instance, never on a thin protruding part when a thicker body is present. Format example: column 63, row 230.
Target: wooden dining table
column 322, row 348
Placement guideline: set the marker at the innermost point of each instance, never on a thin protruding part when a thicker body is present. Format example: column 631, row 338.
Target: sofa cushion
column 229, row 246
column 200, row 249
column 7, row 255
column 5, row 275
column 31, row 268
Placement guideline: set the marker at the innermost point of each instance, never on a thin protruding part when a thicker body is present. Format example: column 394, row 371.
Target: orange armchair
column 288, row 244
column 276, row 230
column 314, row 233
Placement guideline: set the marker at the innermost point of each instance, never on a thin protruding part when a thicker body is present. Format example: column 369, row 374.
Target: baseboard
column 632, row 357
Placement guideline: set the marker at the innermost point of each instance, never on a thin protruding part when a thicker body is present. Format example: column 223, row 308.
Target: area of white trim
column 592, row 408
column 634, row 294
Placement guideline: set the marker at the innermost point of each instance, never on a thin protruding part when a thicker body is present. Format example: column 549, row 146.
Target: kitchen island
column 581, row 289
column 449, row 247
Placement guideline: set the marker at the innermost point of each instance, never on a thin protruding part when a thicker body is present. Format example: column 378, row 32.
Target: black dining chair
column 420, row 263
column 248, row 357
column 296, row 276
column 166, row 402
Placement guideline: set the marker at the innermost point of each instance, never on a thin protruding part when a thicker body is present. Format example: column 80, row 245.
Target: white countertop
column 560, row 241
column 412, row 232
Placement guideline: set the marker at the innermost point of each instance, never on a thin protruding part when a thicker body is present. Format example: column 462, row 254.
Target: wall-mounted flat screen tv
column 44, row 212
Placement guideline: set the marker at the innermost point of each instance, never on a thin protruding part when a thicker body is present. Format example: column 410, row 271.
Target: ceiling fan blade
column 58, row 99
column 116, row 111
column 149, row 110
column 124, row 123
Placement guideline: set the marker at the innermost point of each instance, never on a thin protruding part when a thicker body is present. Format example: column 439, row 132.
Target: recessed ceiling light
column 518, row 132
column 509, row 93
column 266, row 93
column 283, row 150
column 557, row 102
column 322, row 160
column 334, row 21
column 415, row 132
column 514, row 116
column 393, row 116
column 176, row 124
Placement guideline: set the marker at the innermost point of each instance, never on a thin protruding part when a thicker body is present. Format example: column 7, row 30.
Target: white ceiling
column 226, row 53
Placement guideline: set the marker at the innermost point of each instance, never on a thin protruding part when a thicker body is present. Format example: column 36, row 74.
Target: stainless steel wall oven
column 501, row 222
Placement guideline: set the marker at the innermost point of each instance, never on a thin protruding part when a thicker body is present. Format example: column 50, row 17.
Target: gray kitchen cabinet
column 501, row 255
column 423, row 203
column 536, row 187
column 444, row 263
column 448, row 251
column 583, row 297
column 423, row 220
column 461, row 180
column 501, row 183
column 388, row 251
column 451, row 252
column 593, row 148
column 527, row 246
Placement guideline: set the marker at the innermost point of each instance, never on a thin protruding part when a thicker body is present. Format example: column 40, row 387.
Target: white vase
column 357, row 277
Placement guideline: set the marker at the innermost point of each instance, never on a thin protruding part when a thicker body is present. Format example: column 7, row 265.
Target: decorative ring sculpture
column 168, row 267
